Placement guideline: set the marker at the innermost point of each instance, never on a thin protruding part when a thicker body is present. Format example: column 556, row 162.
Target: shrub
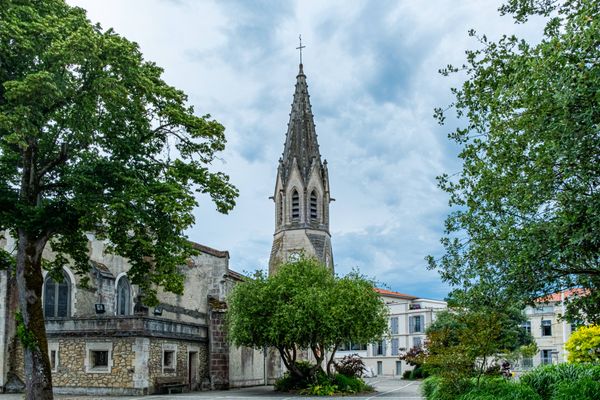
column 418, row 373
column 326, row 389
column 494, row 389
column 544, row 379
column 438, row 388
column 351, row 365
column 582, row 389
column 289, row 382
column 406, row 374
column 429, row 386
column 351, row 384
column 584, row 344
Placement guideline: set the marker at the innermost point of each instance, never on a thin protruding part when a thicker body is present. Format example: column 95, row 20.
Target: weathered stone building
column 301, row 189
column 102, row 340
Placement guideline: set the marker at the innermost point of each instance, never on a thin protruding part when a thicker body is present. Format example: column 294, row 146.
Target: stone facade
column 125, row 348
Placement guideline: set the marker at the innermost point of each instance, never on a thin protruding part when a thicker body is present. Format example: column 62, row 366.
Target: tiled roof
column 554, row 297
column 210, row 250
column 385, row 292
column 236, row 275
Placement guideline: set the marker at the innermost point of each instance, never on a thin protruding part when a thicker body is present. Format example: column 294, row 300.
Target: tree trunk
column 38, row 378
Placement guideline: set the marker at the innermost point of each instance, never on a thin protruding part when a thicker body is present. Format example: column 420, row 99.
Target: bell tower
column 301, row 189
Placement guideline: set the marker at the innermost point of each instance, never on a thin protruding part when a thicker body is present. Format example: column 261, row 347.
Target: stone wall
column 219, row 351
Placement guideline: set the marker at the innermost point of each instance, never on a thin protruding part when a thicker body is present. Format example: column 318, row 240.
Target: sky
column 372, row 70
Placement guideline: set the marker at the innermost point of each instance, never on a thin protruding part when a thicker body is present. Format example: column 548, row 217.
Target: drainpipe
column 564, row 325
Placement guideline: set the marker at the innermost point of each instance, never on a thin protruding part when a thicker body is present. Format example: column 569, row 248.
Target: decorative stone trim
column 169, row 366
column 53, row 347
column 91, row 347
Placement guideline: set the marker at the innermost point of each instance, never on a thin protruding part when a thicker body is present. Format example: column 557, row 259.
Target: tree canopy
column 527, row 201
column 304, row 306
column 93, row 140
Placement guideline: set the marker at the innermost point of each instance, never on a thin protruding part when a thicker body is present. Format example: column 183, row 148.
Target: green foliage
column 351, row 384
column 551, row 382
column 418, row 373
column 526, row 202
column 500, row 390
column 105, row 144
column 462, row 342
column 325, row 389
column 544, row 379
column 304, row 306
column 406, row 374
column 27, row 338
column 582, row 389
column 584, row 345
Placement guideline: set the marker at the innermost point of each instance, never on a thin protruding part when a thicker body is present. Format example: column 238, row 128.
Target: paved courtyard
column 387, row 388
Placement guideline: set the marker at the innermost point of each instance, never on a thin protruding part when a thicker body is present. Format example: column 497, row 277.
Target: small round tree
column 305, row 307
column 584, row 345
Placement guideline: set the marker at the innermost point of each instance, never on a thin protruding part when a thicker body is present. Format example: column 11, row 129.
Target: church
column 103, row 341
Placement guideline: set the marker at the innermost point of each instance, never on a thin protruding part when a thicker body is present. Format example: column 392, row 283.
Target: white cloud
column 372, row 74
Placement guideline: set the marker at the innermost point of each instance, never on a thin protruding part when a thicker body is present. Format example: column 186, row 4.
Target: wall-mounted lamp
column 100, row 309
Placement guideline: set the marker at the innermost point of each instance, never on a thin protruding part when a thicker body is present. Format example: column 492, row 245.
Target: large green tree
column 305, row 307
column 527, row 201
column 93, row 140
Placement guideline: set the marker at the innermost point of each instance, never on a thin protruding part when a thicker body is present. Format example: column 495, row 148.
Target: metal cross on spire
column 300, row 47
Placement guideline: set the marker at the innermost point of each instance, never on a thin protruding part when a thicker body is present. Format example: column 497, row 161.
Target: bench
column 169, row 383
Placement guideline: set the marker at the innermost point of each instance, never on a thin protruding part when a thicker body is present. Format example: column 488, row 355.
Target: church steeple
column 301, row 138
column 302, row 188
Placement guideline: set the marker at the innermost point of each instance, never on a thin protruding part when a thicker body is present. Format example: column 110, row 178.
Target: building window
column 394, row 325
column 280, row 210
column 416, row 324
column 169, row 357
column 98, row 358
column 526, row 326
column 417, row 341
column 351, row 346
column 313, row 205
column 546, row 327
column 295, row 206
column 57, row 297
column 398, row 367
column 395, row 347
column 527, row 363
column 546, row 356
column 380, row 348
column 53, row 355
column 123, row 296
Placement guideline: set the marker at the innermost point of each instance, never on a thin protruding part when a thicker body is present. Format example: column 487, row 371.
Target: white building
column 549, row 331
column 409, row 316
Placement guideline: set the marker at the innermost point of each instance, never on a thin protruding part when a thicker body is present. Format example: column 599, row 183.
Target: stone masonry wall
column 219, row 351
column 71, row 370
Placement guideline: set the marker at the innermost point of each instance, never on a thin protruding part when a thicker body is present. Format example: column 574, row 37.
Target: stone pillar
column 218, row 354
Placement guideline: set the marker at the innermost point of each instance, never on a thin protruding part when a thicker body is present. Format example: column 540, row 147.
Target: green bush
column 406, row 374
column 418, row 373
column 289, row 382
column 544, row 379
column 437, row 388
column 582, row 389
column 351, row 384
column 326, row 389
column 500, row 390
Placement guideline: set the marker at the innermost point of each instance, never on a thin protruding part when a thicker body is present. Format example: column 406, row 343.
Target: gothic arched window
column 57, row 297
column 295, row 205
column 313, row 205
column 123, row 296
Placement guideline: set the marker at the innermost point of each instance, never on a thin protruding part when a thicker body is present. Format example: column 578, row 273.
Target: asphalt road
column 386, row 388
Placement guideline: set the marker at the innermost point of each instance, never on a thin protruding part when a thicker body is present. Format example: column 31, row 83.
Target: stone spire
column 301, row 138
column 301, row 192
